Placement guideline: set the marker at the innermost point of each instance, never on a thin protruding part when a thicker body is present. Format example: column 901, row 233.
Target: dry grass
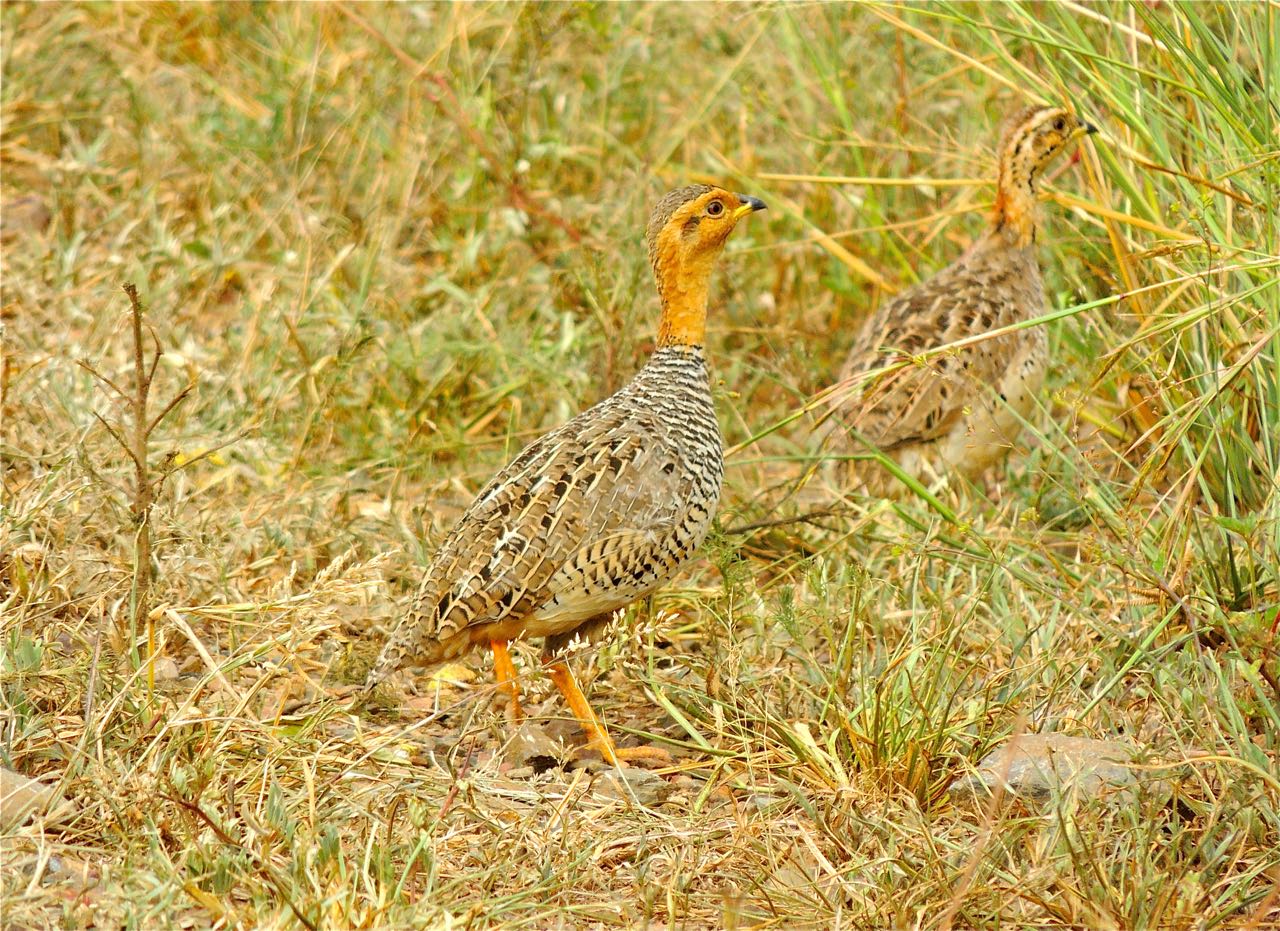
column 388, row 245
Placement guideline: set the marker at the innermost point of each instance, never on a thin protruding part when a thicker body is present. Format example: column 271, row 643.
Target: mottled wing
column 922, row 402
column 540, row 531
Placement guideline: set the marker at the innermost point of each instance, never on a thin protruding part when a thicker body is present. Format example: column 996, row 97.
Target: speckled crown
column 666, row 207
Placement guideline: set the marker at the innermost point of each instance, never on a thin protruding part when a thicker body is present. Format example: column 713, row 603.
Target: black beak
column 1090, row 129
column 754, row 203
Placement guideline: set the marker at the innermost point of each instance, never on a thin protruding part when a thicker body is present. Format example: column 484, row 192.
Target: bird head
column 690, row 225
column 687, row 230
column 1036, row 136
column 1032, row 139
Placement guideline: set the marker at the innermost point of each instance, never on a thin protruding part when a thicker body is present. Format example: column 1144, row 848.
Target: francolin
column 603, row 510
column 958, row 411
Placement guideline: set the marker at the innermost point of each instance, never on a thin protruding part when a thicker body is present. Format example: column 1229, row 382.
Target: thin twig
column 809, row 517
column 84, row 364
column 463, row 770
column 445, row 100
column 259, row 863
column 135, row 445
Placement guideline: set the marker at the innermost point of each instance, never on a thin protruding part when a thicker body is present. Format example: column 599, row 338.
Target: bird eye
column 1059, row 124
column 715, row 208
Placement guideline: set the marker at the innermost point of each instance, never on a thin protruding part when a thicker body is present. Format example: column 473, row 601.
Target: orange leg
column 596, row 734
column 505, row 671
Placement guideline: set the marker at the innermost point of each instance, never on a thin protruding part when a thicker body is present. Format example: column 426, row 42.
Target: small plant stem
column 142, row 489
column 144, row 485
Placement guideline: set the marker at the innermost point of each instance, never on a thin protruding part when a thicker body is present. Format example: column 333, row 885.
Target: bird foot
column 647, row 755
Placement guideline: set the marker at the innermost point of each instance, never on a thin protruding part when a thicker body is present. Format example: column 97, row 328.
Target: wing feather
column 590, row 484
column 923, row 403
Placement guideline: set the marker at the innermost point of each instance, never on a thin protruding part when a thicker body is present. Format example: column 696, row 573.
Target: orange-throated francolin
column 958, row 411
column 603, row 510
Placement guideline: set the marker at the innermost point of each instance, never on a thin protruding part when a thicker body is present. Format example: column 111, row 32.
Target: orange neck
column 1015, row 210
column 683, row 288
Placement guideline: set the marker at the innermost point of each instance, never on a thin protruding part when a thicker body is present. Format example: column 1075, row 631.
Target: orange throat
column 684, row 303
column 1015, row 209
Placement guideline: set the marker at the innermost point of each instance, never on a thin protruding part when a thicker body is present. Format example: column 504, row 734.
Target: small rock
column 21, row 798
column 531, row 747
column 23, row 215
column 631, row 785
column 1033, row 766
column 166, row 670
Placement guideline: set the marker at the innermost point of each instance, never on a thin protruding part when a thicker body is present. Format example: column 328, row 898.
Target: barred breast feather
column 586, row 520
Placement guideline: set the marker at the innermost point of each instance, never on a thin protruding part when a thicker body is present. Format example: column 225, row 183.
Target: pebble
column 166, row 669
column 1033, row 767
column 22, row 798
column 25, row 215
column 531, row 748
column 632, row 785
